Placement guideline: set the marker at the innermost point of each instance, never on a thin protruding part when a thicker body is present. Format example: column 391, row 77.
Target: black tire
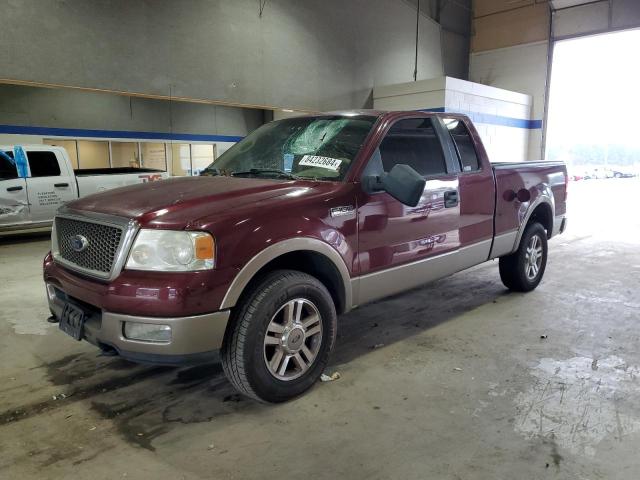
column 514, row 268
column 243, row 350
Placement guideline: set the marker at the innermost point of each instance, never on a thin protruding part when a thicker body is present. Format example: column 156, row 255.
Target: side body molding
column 276, row 250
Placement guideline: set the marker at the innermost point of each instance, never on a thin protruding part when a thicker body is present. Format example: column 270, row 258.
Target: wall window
column 202, row 156
column 93, row 154
column 180, row 159
column 124, row 154
column 186, row 159
column 154, row 155
column 413, row 142
column 43, row 164
column 69, row 145
column 464, row 144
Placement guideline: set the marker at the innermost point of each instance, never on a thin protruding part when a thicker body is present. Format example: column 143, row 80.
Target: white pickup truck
column 37, row 179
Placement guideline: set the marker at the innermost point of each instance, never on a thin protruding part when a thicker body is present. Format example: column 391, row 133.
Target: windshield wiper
column 266, row 171
column 211, row 172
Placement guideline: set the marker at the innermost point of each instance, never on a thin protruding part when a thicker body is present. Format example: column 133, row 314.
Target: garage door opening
column 593, row 101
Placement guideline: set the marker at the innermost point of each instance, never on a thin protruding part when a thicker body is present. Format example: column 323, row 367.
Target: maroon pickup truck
column 304, row 219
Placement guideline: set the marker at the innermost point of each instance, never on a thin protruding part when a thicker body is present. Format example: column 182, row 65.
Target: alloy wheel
column 533, row 257
column 293, row 338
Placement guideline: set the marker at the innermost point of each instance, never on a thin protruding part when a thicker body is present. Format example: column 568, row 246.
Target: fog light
column 51, row 292
column 147, row 332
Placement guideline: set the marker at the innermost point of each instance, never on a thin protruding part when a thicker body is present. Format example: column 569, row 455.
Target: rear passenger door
column 395, row 241
column 14, row 206
column 50, row 183
column 476, row 189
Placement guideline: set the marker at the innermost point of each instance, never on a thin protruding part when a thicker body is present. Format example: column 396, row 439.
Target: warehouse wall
column 522, row 68
column 509, row 50
column 33, row 115
column 76, row 109
column 315, row 55
column 595, row 17
column 387, row 55
column 454, row 18
column 510, row 43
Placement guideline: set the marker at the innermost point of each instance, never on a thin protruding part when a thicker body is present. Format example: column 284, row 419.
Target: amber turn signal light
column 204, row 247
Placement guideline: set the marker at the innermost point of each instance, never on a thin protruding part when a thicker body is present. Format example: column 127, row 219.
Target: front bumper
column 193, row 338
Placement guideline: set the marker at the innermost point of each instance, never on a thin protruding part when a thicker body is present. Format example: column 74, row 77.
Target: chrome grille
column 102, row 243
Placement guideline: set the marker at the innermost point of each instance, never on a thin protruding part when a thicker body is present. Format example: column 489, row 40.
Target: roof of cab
column 353, row 113
column 379, row 113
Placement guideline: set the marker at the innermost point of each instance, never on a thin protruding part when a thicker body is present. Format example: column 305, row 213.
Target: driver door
column 50, row 183
column 400, row 247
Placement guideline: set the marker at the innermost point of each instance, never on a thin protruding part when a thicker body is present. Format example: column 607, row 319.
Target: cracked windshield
column 317, row 148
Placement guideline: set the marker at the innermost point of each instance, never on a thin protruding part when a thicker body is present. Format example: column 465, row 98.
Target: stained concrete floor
column 462, row 384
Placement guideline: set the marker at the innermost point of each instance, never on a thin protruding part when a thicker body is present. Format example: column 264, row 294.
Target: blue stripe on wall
column 81, row 132
column 486, row 118
column 476, row 117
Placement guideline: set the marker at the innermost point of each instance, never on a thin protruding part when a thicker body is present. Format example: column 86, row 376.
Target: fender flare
column 276, row 250
column 545, row 197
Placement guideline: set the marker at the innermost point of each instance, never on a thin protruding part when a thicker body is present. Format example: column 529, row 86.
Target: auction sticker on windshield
column 322, row 162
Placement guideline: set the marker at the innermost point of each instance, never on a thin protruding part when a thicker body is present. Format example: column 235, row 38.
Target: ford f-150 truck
column 302, row 220
column 35, row 180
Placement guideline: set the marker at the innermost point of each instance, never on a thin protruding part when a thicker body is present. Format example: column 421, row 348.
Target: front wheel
column 522, row 271
column 282, row 333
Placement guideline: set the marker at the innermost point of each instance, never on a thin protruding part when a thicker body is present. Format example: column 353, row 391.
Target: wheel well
column 543, row 215
column 313, row 263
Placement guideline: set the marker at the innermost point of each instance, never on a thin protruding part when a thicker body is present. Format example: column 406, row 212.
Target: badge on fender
column 342, row 211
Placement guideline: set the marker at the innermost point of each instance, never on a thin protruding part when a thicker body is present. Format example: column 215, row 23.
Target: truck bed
column 533, row 163
column 521, row 184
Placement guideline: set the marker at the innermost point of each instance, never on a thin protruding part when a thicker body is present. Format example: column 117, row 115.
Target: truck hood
column 180, row 201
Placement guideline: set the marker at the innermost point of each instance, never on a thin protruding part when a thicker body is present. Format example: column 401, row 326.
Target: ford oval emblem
column 78, row 243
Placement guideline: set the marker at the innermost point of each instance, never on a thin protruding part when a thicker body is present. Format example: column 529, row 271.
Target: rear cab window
column 463, row 143
column 43, row 164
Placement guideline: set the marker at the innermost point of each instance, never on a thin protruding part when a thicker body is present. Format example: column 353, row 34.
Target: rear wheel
column 280, row 339
column 522, row 271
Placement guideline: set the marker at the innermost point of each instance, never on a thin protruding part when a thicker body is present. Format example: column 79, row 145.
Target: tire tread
column 233, row 347
column 510, row 266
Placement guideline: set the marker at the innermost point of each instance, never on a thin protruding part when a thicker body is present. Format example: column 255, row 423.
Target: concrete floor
column 463, row 386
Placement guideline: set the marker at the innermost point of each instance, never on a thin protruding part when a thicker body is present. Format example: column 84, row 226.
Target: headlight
column 166, row 250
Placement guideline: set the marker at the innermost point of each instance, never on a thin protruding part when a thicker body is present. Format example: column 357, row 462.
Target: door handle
column 14, row 189
column 451, row 198
column 60, row 185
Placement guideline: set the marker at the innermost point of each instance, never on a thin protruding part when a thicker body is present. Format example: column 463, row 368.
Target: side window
column 464, row 144
column 8, row 170
column 413, row 142
column 43, row 164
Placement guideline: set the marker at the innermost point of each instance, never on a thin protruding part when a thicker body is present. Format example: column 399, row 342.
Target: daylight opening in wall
column 593, row 101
